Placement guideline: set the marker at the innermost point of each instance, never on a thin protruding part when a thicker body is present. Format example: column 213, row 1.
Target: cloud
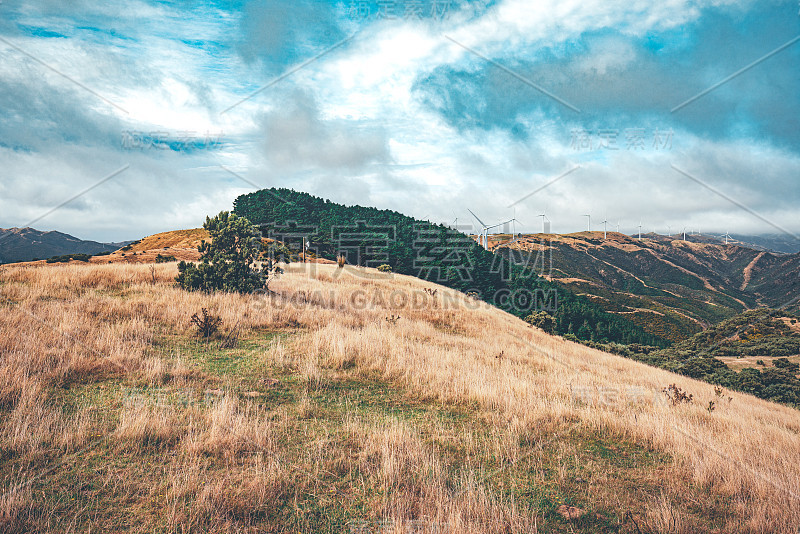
column 275, row 33
column 399, row 117
column 296, row 137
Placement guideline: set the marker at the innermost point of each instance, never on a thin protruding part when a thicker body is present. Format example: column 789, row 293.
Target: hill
column 670, row 287
column 311, row 412
column 26, row 244
column 757, row 352
column 371, row 237
column 781, row 243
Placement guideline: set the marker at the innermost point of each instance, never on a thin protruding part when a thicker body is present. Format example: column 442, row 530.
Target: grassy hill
column 371, row 237
column 352, row 400
column 670, row 287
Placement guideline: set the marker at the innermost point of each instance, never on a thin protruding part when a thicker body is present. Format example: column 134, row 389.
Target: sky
column 123, row 119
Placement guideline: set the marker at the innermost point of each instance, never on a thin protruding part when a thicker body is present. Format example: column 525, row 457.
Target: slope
column 371, row 237
column 354, row 400
column 670, row 287
column 756, row 352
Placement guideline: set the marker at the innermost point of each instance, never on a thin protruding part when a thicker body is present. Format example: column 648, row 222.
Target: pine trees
column 228, row 261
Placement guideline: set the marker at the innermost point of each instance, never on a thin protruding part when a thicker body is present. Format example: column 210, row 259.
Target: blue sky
column 457, row 105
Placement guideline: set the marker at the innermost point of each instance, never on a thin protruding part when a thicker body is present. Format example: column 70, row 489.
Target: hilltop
column 670, row 287
column 353, row 399
column 371, row 237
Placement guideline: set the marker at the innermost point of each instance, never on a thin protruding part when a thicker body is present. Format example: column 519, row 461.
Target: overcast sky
column 667, row 112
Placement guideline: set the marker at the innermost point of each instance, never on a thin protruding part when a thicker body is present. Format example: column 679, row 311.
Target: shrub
column 783, row 363
column 228, row 262
column 542, row 320
column 67, row 257
column 207, row 325
column 341, row 260
column 165, row 259
column 385, row 268
column 676, row 395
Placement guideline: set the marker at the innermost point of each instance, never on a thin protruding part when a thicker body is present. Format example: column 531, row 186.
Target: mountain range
column 26, row 244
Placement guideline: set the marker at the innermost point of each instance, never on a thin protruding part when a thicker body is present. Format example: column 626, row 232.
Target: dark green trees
column 228, row 261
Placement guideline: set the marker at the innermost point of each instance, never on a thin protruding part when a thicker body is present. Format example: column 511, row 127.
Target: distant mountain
column 784, row 244
column 670, row 287
column 26, row 244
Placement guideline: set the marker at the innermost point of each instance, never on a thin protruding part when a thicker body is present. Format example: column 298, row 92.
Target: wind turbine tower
column 483, row 238
column 605, row 229
column 727, row 236
column 589, row 222
column 545, row 223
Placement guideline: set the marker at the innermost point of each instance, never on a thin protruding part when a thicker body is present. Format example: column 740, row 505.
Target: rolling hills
column 670, row 287
column 371, row 237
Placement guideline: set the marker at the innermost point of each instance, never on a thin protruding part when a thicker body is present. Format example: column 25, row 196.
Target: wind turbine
column 483, row 229
column 589, row 223
column 486, row 231
column 605, row 229
column 640, row 230
column 669, row 230
column 726, row 236
column 545, row 223
column 684, row 233
column 617, row 225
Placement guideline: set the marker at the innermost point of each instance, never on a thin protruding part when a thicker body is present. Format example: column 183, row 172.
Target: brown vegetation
column 116, row 418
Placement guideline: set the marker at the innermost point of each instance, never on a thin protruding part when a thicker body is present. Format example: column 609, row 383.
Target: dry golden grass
column 527, row 410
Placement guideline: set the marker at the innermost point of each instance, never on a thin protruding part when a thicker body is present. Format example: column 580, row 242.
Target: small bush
column 207, row 325
column 385, row 268
column 165, row 259
column 341, row 260
column 784, row 363
column 676, row 395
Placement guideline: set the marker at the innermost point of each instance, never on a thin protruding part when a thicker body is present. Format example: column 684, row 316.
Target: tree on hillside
column 542, row 320
column 228, row 261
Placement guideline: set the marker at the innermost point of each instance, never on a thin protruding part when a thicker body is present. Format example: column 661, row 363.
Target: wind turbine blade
column 476, row 218
column 496, row 225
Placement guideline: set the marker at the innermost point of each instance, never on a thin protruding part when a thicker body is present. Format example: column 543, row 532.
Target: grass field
column 350, row 401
